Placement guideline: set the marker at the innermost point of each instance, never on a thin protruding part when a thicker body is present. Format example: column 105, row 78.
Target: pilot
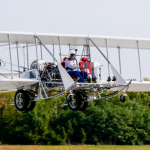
column 73, row 69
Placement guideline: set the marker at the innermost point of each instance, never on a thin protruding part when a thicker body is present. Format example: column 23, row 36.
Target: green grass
column 74, row 147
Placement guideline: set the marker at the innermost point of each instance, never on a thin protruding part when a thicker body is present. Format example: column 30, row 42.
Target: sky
column 126, row 18
column 121, row 18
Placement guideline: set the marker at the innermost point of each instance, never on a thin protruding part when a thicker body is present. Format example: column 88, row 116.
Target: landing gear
column 84, row 103
column 30, row 106
column 122, row 98
column 83, row 106
column 23, row 101
column 74, row 101
column 77, row 101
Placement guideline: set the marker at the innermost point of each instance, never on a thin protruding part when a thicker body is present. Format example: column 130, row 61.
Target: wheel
column 21, row 100
column 122, row 98
column 83, row 106
column 31, row 106
column 83, row 103
column 74, row 102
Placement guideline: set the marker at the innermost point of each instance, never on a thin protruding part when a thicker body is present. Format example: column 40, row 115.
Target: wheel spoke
column 19, row 100
column 73, row 102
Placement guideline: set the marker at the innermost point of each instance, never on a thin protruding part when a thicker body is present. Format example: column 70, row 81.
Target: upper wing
column 76, row 40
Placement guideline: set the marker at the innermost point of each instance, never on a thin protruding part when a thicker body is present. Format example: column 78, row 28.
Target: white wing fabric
column 120, row 79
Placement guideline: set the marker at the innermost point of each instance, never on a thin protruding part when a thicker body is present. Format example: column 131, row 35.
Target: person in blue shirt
column 72, row 68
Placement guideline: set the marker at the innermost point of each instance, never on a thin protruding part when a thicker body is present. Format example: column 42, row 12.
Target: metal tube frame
column 6, row 45
column 9, row 40
column 46, row 48
column 24, row 57
column 53, row 54
column 50, row 54
column 139, row 61
column 13, row 64
column 27, row 56
column 36, row 49
column 41, row 51
column 107, row 56
column 104, row 56
column 119, row 59
column 99, row 50
column 86, row 51
column 39, row 90
column 82, row 52
column 43, row 89
column 18, row 58
column 89, row 50
column 60, row 48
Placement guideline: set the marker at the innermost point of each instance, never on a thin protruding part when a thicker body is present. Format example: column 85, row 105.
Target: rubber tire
column 84, row 106
column 78, row 100
column 122, row 98
column 26, row 100
column 31, row 106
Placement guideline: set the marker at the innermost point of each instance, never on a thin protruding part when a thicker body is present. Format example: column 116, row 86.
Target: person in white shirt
column 72, row 68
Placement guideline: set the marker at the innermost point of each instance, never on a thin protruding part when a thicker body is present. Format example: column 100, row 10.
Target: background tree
column 103, row 122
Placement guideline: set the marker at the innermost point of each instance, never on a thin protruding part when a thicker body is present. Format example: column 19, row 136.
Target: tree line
column 106, row 121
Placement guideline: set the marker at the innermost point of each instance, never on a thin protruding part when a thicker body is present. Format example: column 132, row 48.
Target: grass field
column 85, row 147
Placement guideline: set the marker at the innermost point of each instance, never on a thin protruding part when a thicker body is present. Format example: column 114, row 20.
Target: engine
column 48, row 70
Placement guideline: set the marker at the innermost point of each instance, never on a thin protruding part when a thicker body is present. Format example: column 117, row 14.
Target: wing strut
column 46, row 47
column 120, row 79
column 66, row 79
column 107, row 56
column 9, row 40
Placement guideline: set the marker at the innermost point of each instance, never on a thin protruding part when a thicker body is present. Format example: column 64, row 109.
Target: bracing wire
column 126, row 58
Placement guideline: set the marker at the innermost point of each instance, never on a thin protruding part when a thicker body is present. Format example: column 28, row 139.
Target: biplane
column 37, row 78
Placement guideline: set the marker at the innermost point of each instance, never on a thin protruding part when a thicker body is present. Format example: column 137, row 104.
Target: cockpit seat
column 86, row 66
column 63, row 64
